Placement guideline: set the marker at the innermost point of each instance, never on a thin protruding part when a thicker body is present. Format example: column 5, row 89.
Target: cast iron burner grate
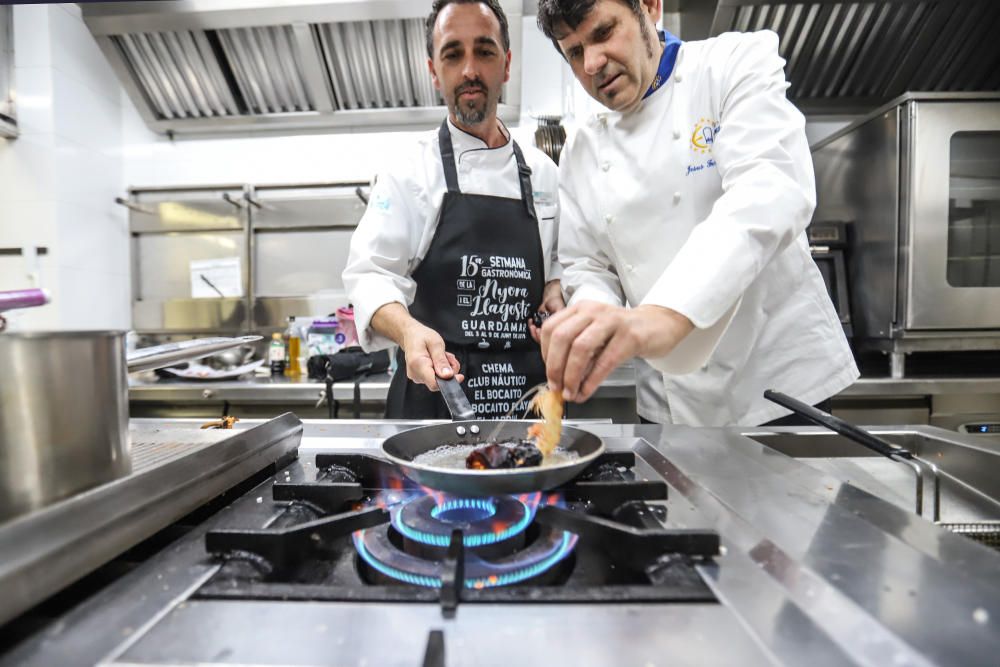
column 363, row 532
column 499, row 549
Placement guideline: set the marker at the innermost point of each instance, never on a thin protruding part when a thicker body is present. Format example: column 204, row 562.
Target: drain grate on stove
column 986, row 533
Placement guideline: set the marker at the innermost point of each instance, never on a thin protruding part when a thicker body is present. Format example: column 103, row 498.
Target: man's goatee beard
column 470, row 116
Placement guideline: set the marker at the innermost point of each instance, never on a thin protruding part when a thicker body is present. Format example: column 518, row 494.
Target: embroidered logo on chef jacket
column 703, row 136
column 543, row 198
column 702, row 141
column 381, row 202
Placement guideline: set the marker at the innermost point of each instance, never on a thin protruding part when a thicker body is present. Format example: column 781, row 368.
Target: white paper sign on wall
column 214, row 278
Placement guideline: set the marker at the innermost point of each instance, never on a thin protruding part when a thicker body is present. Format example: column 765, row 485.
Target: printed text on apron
column 482, row 278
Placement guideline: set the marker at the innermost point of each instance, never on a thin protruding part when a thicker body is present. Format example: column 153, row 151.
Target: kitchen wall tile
column 92, row 237
column 33, row 103
column 540, row 94
column 90, row 299
column 58, row 180
column 84, row 117
column 16, row 273
column 151, row 160
column 27, row 169
column 32, row 44
column 79, row 57
column 139, row 146
column 87, row 175
column 28, row 223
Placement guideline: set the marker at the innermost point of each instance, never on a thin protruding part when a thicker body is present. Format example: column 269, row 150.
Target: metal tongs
column 920, row 467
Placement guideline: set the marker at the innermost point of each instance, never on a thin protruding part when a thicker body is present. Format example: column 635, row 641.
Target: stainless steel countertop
column 815, row 571
column 176, row 469
column 621, row 384
column 922, row 386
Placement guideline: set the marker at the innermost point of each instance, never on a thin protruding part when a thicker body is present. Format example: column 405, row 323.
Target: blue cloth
column 671, row 45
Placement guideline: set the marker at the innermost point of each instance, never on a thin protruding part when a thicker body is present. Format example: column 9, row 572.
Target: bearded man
column 456, row 251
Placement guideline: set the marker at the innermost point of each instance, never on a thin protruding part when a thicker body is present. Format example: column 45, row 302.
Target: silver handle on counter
column 149, row 358
column 245, row 201
column 235, row 202
column 133, row 206
column 919, row 466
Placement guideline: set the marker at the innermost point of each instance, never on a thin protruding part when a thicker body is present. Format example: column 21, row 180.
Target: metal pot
column 64, row 410
column 231, row 359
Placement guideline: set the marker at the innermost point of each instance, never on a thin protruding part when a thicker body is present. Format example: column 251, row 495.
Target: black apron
column 482, row 278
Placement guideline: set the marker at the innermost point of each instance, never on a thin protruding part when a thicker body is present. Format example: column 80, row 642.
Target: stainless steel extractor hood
column 854, row 56
column 217, row 66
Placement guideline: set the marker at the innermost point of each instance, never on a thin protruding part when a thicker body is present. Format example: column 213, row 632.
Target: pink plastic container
column 345, row 316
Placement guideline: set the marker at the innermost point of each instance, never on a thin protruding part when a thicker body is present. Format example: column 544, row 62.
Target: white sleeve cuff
column 694, row 351
column 554, row 272
column 592, row 292
column 376, row 295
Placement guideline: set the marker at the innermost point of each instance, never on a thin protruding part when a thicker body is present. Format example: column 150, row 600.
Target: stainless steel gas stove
column 678, row 546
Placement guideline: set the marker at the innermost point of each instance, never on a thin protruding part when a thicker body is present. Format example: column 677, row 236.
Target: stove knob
column 460, row 430
column 474, row 429
column 208, row 393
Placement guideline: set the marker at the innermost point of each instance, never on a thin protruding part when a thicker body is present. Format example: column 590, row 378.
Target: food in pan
column 542, row 442
column 456, row 456
column 549, row 405
column 539, row 448
column 522, row 454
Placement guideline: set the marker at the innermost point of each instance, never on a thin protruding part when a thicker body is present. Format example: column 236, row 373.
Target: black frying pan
column 403, row 447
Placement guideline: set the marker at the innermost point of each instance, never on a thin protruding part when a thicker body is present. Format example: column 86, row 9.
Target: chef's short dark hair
column 494, row 6
column 555, row 13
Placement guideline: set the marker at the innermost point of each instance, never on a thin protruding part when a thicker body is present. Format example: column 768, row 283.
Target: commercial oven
column 919, row 181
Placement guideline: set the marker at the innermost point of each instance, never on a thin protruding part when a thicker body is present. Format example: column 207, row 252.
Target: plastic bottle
column 345, row 316
column 276, row 354
column 293, row 367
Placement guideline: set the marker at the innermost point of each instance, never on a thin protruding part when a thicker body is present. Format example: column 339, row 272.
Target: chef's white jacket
column 403, row 209
column 698, row 201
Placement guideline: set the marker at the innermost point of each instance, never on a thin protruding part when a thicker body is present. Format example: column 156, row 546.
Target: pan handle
column 838, row 425
column 25, row 298
column 455, row 398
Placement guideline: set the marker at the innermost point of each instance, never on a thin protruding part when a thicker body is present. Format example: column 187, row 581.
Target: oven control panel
column 984, row 428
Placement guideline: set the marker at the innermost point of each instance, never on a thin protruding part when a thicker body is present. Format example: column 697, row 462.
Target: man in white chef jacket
column 456, row 249
column 687, row 201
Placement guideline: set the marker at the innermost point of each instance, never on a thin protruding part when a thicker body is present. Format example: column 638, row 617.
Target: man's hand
column 582, row 344
column 426, row 359
column 552, row 303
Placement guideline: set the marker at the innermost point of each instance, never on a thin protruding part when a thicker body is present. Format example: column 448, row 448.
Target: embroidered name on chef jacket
column 702, row 140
